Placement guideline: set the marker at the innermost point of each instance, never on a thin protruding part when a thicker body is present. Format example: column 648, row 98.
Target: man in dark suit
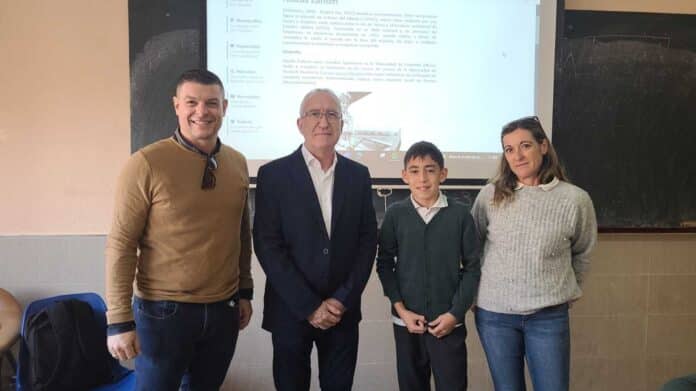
column 315, row 235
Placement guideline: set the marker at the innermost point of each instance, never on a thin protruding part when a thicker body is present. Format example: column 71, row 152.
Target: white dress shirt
column 427, row 214
column 323, row 182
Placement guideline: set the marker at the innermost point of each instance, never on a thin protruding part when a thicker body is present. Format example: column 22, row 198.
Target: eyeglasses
column 331, row 116
column 209, row 175
column 524, row 122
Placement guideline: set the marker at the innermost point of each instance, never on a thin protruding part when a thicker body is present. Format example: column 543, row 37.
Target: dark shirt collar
column 186, row 144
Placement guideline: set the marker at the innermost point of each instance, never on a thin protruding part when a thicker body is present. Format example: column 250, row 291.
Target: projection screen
column 449, row 72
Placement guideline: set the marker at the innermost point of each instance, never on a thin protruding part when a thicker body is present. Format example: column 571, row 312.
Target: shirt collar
column 545, row 186
column 312, row 161
column 440, row 203
column 186, row 144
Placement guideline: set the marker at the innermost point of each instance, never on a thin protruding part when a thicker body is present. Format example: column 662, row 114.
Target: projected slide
column 449, row 72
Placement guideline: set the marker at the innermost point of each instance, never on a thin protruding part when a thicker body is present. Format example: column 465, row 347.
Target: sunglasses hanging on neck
column 208, row 182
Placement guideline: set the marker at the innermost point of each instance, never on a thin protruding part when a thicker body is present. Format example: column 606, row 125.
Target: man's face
column 200, row 109
column 321, row 122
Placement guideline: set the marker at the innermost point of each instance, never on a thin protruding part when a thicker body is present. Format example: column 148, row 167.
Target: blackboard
column 165, row 40
column 625, row 115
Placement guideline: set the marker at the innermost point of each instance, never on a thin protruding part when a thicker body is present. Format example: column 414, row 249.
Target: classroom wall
column 65, row 128
column 64, row 136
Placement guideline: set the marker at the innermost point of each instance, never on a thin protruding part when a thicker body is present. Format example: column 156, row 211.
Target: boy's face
column 423, row 176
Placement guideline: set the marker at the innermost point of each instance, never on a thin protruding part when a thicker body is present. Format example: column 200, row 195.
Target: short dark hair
column 422, row 149
column 200, row 76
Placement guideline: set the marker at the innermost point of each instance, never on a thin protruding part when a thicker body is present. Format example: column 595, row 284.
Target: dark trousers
column 337, row 351
column 418, row 354
column 184, row 344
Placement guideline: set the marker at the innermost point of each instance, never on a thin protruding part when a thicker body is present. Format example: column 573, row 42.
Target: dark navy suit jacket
column 303, row 266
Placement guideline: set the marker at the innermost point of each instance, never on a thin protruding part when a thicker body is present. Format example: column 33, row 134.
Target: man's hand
column 335, row 307
column 415, row 323
column 442, row 325
column 245, row 312
column 124, row 346
column 323, row 318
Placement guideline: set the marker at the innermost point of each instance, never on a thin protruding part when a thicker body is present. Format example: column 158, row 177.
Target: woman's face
column 524, row 155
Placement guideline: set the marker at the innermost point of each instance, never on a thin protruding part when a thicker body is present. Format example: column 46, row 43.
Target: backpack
column 67, row 348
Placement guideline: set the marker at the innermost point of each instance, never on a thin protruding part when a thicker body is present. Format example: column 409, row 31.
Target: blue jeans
column 184, row 344
column 543, row 338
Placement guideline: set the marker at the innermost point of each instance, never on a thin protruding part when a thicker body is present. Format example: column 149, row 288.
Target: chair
column 683, row 383
column 10, row 315
column 124, row 378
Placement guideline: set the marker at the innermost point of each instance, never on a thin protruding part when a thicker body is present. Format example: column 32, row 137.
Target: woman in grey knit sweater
column 537, row 231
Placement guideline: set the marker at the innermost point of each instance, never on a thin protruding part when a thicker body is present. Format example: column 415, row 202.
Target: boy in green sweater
column 428, row 263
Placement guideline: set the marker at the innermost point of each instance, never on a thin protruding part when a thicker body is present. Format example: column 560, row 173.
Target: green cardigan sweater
column 432, row 268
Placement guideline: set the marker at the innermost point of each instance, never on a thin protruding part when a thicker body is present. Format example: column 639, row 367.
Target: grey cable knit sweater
column 535, row 248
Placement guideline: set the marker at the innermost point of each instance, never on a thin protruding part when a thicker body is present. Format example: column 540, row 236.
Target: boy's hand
column 415, row 323
column 442, row 325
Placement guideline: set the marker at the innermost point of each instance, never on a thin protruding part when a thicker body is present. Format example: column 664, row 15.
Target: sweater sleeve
column 584, row 238
column 470, row 273
column 131, row 209
column 387, row 254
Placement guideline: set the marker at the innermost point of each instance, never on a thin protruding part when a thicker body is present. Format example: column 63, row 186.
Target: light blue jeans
column 543, row 338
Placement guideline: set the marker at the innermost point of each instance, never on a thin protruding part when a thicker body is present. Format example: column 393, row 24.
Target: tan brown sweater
column 171, row 240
